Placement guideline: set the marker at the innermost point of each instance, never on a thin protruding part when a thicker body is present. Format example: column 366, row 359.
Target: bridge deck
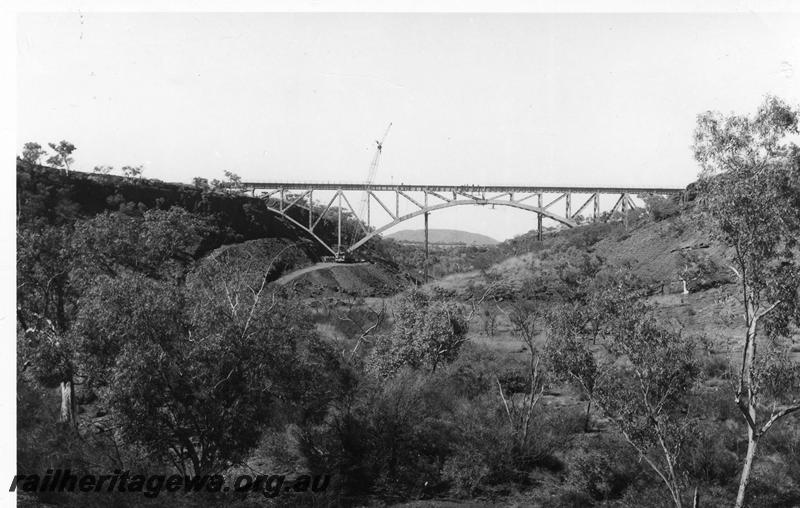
column 458, row 188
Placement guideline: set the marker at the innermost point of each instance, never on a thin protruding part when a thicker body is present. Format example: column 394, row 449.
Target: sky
column 534, row 99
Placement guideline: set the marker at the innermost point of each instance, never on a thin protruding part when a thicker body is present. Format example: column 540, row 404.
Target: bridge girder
column 270, row 186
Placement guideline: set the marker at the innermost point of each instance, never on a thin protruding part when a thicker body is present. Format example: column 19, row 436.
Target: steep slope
column 659, row 252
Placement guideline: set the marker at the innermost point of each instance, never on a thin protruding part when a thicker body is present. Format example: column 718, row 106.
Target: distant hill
column 442, row 236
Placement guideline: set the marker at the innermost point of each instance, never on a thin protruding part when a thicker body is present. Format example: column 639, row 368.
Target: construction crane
column 373, row 168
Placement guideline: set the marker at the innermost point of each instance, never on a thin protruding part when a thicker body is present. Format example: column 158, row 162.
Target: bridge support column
column 569, row 205
column 539, row 220
column 310, row 208
column 625, row 210
column 426, row 247
column 339, row 227
column 596, row 206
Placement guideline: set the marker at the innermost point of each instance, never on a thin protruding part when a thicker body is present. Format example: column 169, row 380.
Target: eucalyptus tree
column 63, row 154
column 648, row 396
column 639, row 374
column 193, row 363
column 57, row 265
column 428, row 332
column 750, row 198
column 32, row 152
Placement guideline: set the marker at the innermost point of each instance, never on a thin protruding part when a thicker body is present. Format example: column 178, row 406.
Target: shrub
column 661, row 207
column 710, row 454
column 427, row 333
column 465, row 469
column 717, row 366
column 569, row 498
column 718, row 403
column 483, row 437
column 604, row 469
column 389, row 437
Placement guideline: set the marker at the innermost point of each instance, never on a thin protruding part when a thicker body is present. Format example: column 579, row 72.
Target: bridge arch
column 440, row 206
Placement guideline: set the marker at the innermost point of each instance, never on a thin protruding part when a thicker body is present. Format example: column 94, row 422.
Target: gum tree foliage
column 194, row 375
column 132, row 171
column 157, row 243
column 660, row 207
column 193, row 371
column 127, row 171
column 575, row 273
column 45, row 295
column 232, row 182
column 62, row 157
column 427, row 332
column 33, row 152
column 591, row 315
column 58, row 263
column 567, row 278
column 605, row 299
column 750, row 197
column 646, row 396
column 639, row 375
column 233, row 178
column 201, row 183
column 103, row 170
column 568, row 354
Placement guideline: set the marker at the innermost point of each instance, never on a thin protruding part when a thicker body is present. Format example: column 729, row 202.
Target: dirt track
column 364, row 279
column 319, row 266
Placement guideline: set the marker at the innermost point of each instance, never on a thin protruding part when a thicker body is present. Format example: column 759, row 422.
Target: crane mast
column 373, row 168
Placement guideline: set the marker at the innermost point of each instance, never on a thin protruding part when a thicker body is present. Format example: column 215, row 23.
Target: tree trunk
column 588, row 416
column 68, row 403
column 676, row 497
column 749, row 412
column 752, row 442
column 674, row 487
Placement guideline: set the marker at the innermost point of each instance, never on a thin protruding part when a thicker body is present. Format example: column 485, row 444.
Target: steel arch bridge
column 281, row 197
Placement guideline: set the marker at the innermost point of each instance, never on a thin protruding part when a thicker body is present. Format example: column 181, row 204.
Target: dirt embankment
column 358, row 279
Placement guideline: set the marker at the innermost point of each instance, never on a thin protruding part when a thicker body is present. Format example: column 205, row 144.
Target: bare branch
column 505, row 402
column 768, row 310
column 777, row 416
column 369, row 330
